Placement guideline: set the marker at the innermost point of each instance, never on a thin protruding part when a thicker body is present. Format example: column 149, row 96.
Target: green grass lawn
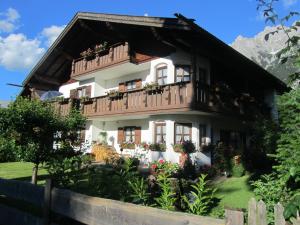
column 234, row 192
column 20, row 171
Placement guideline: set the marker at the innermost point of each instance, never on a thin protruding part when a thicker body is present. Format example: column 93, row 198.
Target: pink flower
column 154, row 166
column 161, row 161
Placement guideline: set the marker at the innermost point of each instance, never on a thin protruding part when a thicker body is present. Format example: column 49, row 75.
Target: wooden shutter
column 138, row 135
column 121, row 87
column 120, row 135
column 138, row 83
column 88, row 91
column 73, row 93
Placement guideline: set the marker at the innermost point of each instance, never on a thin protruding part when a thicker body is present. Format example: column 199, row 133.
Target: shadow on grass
column 28, row 178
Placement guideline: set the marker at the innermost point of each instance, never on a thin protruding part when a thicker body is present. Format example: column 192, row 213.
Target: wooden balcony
column 172, row 97
column 114, row 55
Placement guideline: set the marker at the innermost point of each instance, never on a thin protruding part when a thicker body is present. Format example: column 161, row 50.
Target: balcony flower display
column 87, row 54
column 152, row 87
column 85, row 99
column 186, row 147
column 128, row 145
column 62, row 100
column 144, row 146
column 159, row 147
column 101, row 47
column 113, row 94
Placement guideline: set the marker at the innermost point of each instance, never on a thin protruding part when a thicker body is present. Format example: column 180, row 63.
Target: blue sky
column 27, row 28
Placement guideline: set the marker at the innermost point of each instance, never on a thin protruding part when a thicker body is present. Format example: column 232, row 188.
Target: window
column 129, row 134
column 202, row 76
column 81, row 92
column 202, row 134
column 230, row 138
column 162, row 75
column 130, row 85
column 183, row 132
column 160, row 133
column 182, row 73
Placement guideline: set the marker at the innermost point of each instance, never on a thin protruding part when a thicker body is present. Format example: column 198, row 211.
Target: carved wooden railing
column 113, row 55
column 169, row 97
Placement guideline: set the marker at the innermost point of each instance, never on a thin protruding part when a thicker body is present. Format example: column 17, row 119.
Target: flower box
column 158, row 147
column 127, row 145
column 152, row 87
column 114, row 94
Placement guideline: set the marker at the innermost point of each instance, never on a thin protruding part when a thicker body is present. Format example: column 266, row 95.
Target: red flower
column 161, row 161
column 154, row 166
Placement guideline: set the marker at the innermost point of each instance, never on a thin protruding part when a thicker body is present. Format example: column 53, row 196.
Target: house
column 154, row 80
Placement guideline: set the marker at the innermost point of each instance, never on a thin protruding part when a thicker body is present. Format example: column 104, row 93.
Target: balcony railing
column 170, row 97
column 115, row 54
column 176, row 97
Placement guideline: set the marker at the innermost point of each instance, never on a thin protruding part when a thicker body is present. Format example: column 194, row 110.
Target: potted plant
column 87, row 54
column 144, row 146
column 159, row 147
column 101, row 47
column 152, row 87
column 85, row 99
column 62, row 99
column 128, row 145
column 113, row 94
column 186, row 147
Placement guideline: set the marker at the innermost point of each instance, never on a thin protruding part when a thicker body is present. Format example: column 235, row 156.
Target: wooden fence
column 53, row 202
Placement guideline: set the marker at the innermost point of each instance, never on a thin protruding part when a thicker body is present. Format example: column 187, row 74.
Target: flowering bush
column 184, row 147
column 163, row 166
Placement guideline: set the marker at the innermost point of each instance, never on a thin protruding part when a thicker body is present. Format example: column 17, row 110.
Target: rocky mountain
column 264, row 52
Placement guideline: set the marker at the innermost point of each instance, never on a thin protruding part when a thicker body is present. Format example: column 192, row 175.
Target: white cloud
column 17, row 52
column 9, row 20
column 51, row 33
column 288, row 3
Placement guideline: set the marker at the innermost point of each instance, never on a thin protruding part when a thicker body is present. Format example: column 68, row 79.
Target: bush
column 8, row 150
column 271, row 190
column 238, row 170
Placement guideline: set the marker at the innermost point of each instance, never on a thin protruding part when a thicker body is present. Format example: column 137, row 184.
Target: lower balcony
column 170, row 98
column 167, row 98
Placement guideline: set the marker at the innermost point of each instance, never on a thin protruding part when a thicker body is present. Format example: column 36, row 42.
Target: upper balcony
column 106, row 57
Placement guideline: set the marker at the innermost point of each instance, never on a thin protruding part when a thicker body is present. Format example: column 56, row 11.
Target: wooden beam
column 45, row 79
column 64, row 54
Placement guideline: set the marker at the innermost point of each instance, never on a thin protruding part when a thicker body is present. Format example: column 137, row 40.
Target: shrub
column 158, row 147
column 184, row 147
column 199, row 200
column 167, row 197
column 8, row 150
column 238, row 170
column 271, row 190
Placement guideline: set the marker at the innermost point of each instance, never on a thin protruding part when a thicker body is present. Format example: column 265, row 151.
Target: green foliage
column 165, row 167
column 114, row 182
column 167, row 197
column 140, row 194
column 8, row 150
column 271, row 190
column 238, row 170
column 287, row 154
column 33, row 127
column 291, row 209
column 200, row 198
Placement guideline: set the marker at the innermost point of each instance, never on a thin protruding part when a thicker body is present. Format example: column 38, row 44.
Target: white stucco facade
column 105, row 80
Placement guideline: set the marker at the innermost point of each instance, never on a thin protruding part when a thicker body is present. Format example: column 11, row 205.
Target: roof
column 53, row 68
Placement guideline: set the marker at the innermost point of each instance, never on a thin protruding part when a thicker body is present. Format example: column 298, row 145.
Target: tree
column 34, row 126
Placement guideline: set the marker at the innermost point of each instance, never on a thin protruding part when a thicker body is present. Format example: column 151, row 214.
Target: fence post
column 233, row 217
column 262, row 213
column 252, row 213
column 47, row 201
column 278, row 214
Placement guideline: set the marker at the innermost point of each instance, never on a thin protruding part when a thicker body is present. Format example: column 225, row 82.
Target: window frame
column 162, row 134
column 132, row 133
column 182, row 67
column 202, row 127
column 132, row 82
column 158, row 68
column 190, row 125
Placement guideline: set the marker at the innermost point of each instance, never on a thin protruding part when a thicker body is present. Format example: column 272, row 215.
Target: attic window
column 162, row 74
column 182, row 73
